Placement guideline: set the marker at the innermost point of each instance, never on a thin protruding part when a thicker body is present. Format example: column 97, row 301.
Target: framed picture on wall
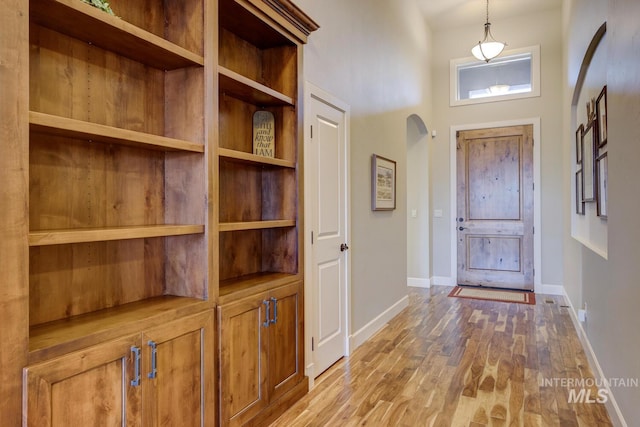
column 601, row 117
column 588, row 166
column 602, row 164
column 383, row 184
column 579, row 132
column 579, row 193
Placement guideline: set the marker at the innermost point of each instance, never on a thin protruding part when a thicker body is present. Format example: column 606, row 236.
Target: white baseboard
column 418, row 282
column 553, row 290
column 309, row 371
column 368, row 330
column 443, row 281
column 612, row 406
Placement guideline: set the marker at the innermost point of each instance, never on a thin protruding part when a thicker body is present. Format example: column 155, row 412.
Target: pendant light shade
column 488, row 48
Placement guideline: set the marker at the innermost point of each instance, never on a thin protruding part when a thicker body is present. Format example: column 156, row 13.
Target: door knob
column 344, row 247
column 462, row 228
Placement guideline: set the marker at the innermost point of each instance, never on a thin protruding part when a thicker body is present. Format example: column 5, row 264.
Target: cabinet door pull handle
column 275, row 310
column 266, row 316
column 154, row 360
column 135, row 382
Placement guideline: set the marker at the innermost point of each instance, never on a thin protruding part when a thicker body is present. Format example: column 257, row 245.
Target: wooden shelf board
column 84, row 235
column 241, row 156
column 256, row 225
column 71, row 128
column 87, row 23
column 62, row 336
column 243, row 88
column 232, row 289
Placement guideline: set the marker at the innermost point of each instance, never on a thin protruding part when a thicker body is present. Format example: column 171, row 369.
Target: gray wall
column 456, row 43
column 610, row 287
column 373, row 56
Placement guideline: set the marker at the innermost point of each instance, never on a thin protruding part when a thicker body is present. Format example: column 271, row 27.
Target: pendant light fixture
column 488, row 48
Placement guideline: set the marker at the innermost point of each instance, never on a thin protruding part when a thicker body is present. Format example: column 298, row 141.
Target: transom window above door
column 514, row 74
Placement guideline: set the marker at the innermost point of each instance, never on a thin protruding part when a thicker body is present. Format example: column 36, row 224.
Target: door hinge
column 533, row 230
column 311, row 131
column 533, row 186
column 312, row 344
column 312, row 237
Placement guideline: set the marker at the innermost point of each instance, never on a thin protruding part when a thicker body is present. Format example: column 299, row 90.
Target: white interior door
column 327, row 195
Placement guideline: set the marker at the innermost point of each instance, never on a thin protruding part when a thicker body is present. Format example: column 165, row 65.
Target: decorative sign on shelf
column 264, row 134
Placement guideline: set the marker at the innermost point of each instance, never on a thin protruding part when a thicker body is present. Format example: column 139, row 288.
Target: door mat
column 494, row 295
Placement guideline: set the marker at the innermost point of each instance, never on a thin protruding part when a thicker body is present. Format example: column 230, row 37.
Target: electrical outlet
column 582, row 313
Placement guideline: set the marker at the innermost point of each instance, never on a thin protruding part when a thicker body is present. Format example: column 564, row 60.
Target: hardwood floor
column 458, row 362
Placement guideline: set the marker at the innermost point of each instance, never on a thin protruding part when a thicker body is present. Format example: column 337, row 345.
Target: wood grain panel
column 240, row 56
column 77, row 80
column 243, row 360
column 14, row 167
column 280, row 250
column 89, row 387
column 450, row 362
column 181, row 390
column 494, row 178
column 234, row 124
column 280, row 69
column 284, row 341
column 497, row 253
column 74, row 184
column 240, row 253
column 67, row 280
column 240, row 179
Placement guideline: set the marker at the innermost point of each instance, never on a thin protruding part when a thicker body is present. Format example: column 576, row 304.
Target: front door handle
column 344, row 247
column 462, row 228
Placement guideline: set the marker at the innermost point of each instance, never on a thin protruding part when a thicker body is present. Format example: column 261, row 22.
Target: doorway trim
column 310, row 315
column 537, row 237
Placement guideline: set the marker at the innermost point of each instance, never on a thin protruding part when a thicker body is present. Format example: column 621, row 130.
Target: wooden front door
column 495, row 207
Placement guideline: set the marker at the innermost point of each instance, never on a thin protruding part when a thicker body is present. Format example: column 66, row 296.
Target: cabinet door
column 91, row 387
column 177, row 372
column 285, row 340
column 243, row 358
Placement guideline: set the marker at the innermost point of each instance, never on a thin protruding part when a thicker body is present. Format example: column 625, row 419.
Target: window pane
column 501, row 76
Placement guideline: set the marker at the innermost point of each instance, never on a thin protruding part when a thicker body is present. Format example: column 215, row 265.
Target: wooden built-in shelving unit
column 147, row 245
column 120, row 117
column 260, row 211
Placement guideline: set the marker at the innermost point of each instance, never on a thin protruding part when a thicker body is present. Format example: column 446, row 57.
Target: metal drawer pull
column 266, row 317
column 154, row 360
column 136, row 366
column 275, row 310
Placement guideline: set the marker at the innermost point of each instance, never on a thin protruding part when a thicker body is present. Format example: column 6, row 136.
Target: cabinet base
column 279, row 406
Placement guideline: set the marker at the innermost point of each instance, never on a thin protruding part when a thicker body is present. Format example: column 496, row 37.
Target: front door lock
column 344, row 247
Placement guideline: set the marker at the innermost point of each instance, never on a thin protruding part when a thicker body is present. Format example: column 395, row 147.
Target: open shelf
column 87, row 23
column 62, row 336
column 256, row 225
column 243, row 88
column 242, row 157
column 84, row 235
column 231, row 289
column 61, row 126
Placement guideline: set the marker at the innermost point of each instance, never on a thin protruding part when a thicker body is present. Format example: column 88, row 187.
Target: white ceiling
column 456, row 13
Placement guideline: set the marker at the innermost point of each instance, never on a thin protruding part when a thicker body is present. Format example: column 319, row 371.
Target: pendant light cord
column 487, row 11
